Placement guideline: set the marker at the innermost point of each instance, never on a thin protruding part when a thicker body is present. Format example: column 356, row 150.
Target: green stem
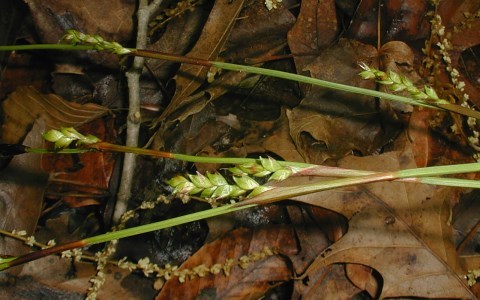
column 279, row 193
column 280, row 74
column 439, row 170
column 64, row 47
column 256, row 70
column 103, row 146
column 304, row 79
column 282, row 193
column 454, row 182
column 308, row 169
column 163, row 224
column 59, row 151
column 319, row 82
column 10, row 262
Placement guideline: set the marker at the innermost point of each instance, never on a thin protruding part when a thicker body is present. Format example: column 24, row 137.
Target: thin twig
column 134, row 115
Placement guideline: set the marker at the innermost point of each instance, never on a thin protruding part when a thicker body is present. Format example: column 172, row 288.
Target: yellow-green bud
column 245, row 182
column 270, row 164
column 217, row 179
column 53, row 135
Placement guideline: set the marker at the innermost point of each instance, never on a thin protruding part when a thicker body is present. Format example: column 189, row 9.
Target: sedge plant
column 78, row 41
column 243, row 187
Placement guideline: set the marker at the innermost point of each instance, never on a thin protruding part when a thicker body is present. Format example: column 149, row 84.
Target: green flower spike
column 270, row 164
column 78, row 38
column 281, row 175
column 213, row 186
column 267, row 166
column 181, row 185
column 398, row 83
column 245, row 182
column 66, row 135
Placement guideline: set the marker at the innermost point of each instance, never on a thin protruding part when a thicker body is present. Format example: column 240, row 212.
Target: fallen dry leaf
column 214, row 34
column 53, row 18
column 63, row 282
column 250, row 283
column 22, row 185
column 407, row 266
column 364, row 278
column 82, row 180
column 399, row 20
column 387, row 232
column 179, row 36
column 331, row 124
column 461, row 15
column 280, row 142
column 328, row 283
column 315, row 29
column 26, row 104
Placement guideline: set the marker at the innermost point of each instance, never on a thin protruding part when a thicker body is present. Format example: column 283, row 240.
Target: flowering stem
column 305, row 169
column 413, row 175
column 6, row 263
column 276, row 194
column 63, row 47
column 77, row 37
column 420, row 175
column 283, row 75
column 104, row 146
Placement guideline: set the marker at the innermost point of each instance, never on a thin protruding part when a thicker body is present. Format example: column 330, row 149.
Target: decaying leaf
column 26, row 104
column 315, row 29
column 250, row 283
column 82, row 180
column 22, row 185
column 364, row 278
column 332, row 124
column 63, row 282
column 214, row 34
column 328, row 283
column 53, row 18
column 408, row 267
column 280, row 142
column 461, row 16
column 389, row 231
column 399, row 20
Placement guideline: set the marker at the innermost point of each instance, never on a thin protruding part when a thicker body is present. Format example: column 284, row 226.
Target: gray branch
column 134, row 118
